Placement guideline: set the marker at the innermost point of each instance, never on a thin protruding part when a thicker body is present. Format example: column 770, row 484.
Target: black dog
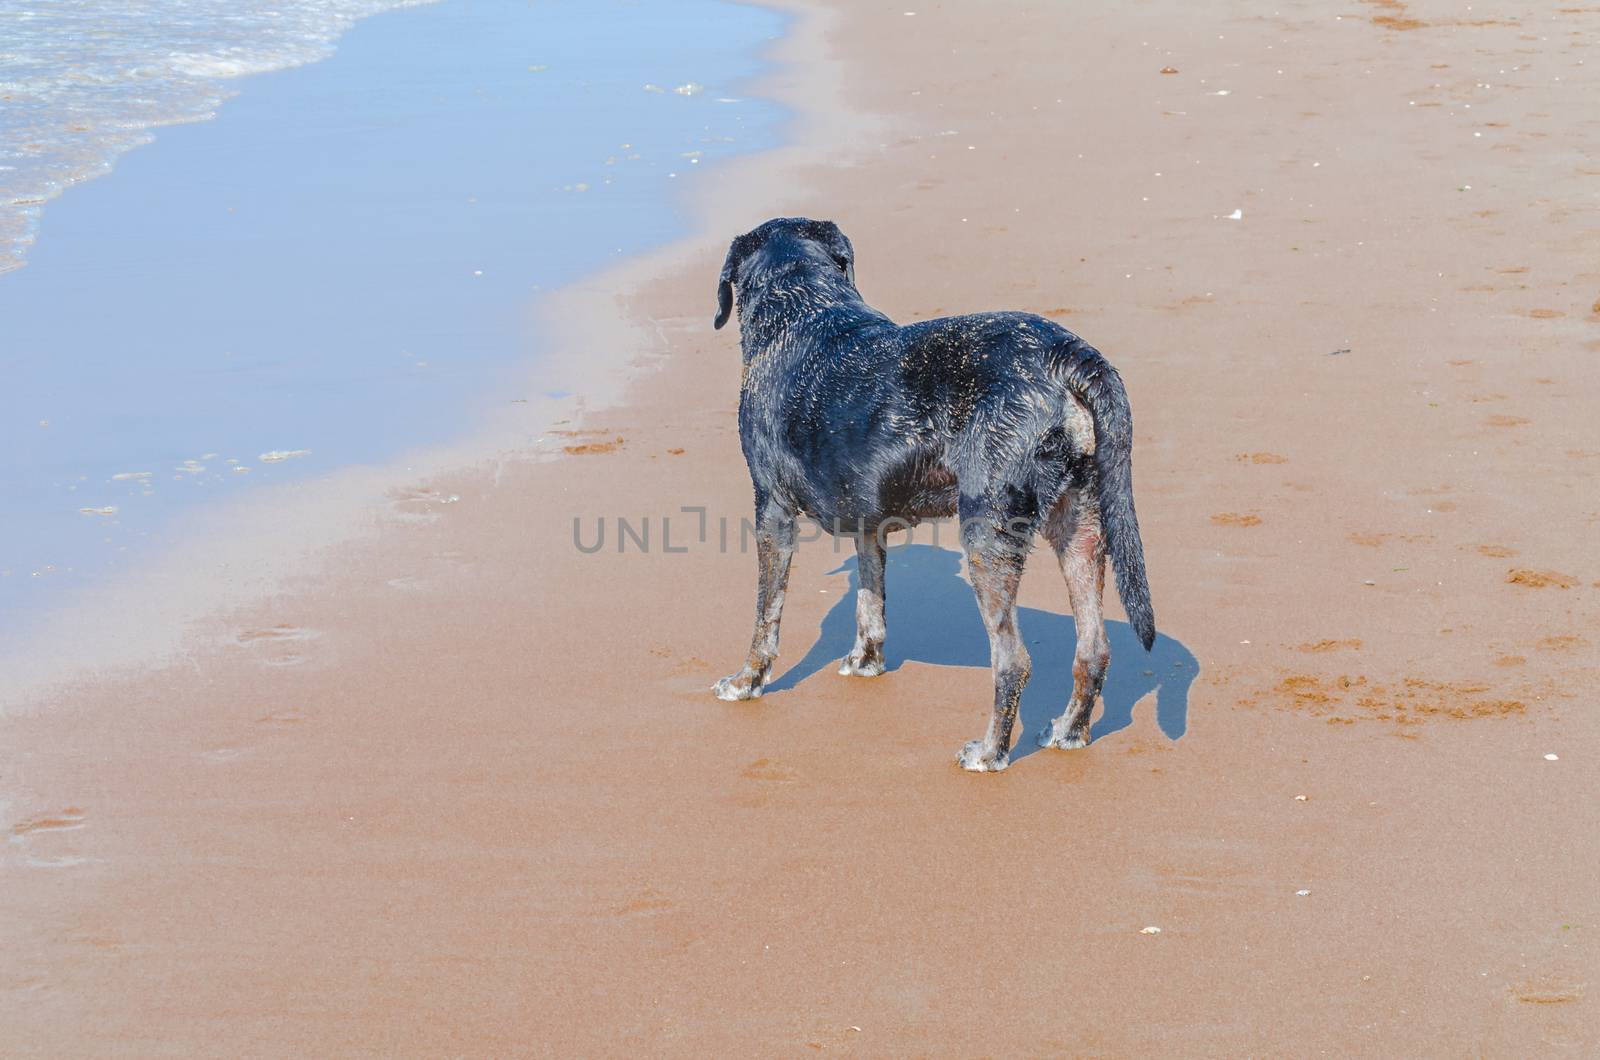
column 1005, row 419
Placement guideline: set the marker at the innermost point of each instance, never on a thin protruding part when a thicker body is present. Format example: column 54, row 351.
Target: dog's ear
column 724, row 301
column 827, row 233
column 730, row 268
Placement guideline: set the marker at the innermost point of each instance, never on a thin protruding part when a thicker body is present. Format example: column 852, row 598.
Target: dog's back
column 864, row 406
column 864, row 422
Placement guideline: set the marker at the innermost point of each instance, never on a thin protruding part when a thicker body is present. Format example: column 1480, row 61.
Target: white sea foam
column 82, row 81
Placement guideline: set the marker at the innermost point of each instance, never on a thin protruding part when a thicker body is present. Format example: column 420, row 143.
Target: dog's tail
column 1092, row 379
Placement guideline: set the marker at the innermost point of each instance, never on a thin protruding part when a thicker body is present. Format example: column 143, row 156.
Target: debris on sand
column 591, row 448
column 1547, row 990
column 1327, row 645
column 1151, row 930
column 1539, row 579
column 1344, row 700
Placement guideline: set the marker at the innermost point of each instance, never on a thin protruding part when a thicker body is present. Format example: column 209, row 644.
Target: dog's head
column 786, row 237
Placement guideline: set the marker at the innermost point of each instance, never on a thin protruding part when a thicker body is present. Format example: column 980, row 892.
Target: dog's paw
column 736, row 687
column 972, row 759
column 861, row 665
column 1065, row 740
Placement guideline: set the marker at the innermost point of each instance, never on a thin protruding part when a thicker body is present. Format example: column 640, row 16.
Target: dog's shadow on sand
column 933, row 618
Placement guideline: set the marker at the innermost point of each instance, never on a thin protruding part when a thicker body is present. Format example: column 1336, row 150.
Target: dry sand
column 464, row 790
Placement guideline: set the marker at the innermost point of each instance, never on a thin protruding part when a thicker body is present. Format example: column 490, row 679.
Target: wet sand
column 460, row 787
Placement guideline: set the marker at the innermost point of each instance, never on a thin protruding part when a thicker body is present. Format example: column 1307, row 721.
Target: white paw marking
column 850, row 668
column 971, row 759
column 1051, row 737
column 727, row 689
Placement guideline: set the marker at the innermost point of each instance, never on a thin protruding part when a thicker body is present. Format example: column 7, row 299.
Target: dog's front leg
column 775, row 539
column 866, row 658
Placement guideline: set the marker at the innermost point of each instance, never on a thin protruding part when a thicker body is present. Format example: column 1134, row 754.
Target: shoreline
column 192, row 87
column 246, row 546
column 467, row 791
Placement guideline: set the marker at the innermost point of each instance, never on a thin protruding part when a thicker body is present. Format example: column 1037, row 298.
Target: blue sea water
column 338, row 266
column 82, row 81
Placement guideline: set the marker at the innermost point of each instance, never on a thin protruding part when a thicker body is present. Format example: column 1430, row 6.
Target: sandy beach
column 458, row 787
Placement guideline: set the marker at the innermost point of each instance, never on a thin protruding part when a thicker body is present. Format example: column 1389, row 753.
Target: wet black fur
column 864, row 424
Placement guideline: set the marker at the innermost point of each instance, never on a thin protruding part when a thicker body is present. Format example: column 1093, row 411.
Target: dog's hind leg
column 866, row 658
column 1073, row 529
column 995, row 560
column 775, row 541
